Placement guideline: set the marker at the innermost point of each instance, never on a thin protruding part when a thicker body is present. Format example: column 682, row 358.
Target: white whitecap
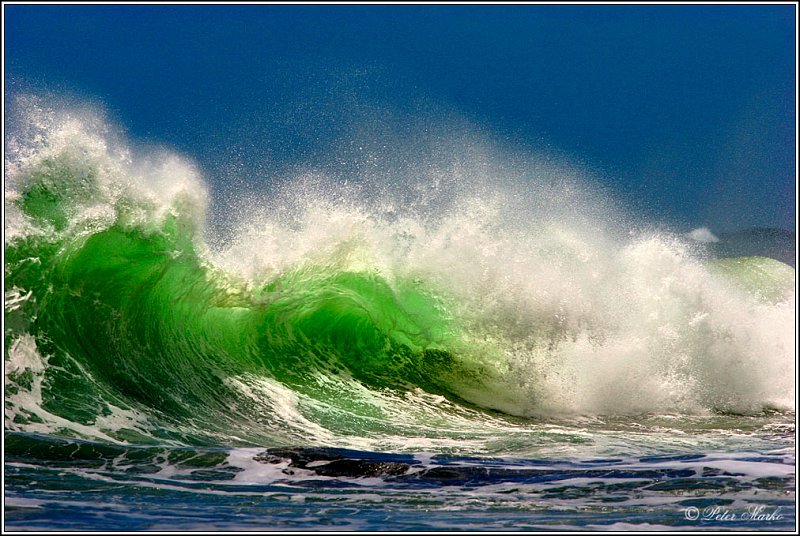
column 702, row 234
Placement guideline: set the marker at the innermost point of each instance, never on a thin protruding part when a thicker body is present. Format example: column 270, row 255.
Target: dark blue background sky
column 686, row 112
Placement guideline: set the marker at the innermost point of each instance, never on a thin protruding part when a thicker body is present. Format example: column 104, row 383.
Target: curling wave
column 415, row 307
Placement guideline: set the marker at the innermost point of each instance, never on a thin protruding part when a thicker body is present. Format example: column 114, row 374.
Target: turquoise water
column 472, row 348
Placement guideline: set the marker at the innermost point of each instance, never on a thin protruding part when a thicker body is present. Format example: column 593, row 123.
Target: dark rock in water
column 779, row 244
column 332, row 462
column 357, row 468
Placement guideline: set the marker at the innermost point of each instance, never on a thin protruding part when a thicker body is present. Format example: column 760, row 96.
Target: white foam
column 16, row 298
column 107, row 173
column 23, row 356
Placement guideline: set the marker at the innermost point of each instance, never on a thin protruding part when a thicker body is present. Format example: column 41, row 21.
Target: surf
column 457, row 300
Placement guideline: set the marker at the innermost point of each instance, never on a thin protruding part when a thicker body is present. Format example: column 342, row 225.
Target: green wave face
column 155, row 326
column 121, row 325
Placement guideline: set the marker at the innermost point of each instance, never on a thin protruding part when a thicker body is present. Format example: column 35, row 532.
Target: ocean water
column 473, row 340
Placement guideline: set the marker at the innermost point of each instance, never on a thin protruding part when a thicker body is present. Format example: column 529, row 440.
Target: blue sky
column 685, row 112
